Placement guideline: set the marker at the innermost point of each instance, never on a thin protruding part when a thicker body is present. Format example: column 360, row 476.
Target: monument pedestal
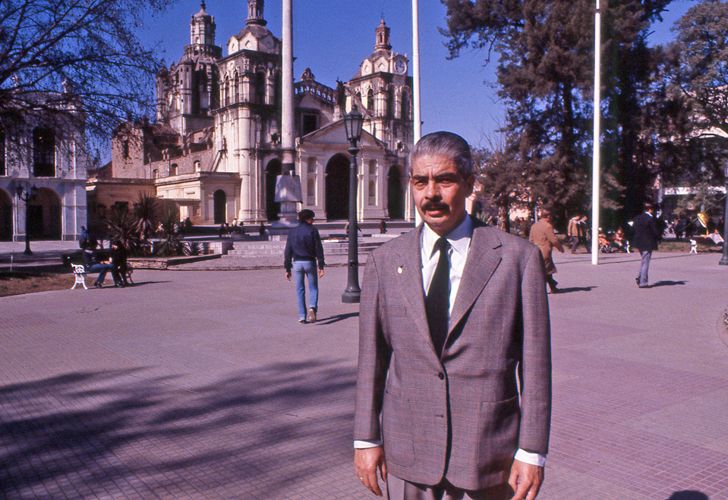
column 288, row 194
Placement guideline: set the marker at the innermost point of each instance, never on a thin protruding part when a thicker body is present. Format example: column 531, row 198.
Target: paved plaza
column 201, row 384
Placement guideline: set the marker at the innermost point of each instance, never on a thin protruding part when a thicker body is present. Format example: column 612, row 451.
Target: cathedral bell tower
column 255, row 12
column 202, row 28
column 382, row 33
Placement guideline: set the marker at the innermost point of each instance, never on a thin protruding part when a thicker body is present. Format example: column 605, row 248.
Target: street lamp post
column 27, row 196
column 352, row 123
column 724, row 259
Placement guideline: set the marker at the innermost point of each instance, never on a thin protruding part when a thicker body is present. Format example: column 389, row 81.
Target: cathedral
column 215, row 149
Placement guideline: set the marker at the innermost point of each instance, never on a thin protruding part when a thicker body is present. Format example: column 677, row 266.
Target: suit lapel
column 410, row 280
column 484, row 256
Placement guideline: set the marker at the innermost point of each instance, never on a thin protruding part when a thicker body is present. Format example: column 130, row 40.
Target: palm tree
column 122, row 227
column 171, row 243
column 145, row 212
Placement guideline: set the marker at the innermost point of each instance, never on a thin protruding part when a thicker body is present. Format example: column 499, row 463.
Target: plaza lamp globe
column 353, row 122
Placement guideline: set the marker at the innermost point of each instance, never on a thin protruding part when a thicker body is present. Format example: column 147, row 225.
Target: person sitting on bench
column 118, row 261
column 94, row 263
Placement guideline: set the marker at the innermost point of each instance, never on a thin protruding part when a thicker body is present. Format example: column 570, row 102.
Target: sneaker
column 311, row 317
column 301, row 320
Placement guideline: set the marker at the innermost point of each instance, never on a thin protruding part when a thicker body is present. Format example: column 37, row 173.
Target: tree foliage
column 544, row 53
column 53, row 52
column 700, row 55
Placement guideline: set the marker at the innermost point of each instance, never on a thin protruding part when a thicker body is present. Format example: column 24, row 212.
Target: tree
column 545, row 75
column 700, row 55
column 86, row 54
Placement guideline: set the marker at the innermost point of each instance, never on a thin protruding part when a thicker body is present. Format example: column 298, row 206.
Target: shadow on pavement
column 688, row 495
column 667, row 283
column 259, row 433
column 335, row 319
column 143, row 283
column 620, row 259
column 576, row 289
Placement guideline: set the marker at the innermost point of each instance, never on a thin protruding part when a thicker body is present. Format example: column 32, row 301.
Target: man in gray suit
column 454, row 381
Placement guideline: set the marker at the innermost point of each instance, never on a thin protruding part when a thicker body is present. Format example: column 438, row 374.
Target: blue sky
column 333, row 36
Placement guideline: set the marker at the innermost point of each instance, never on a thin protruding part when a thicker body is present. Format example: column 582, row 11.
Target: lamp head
column 353, row 121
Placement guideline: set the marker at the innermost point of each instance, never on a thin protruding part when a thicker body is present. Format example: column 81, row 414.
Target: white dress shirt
column 459, row 240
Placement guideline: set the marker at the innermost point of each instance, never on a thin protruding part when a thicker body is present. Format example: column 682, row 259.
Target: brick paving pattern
column 203, row 385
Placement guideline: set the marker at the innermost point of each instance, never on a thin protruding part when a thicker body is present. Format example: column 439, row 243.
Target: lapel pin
column 400, row 269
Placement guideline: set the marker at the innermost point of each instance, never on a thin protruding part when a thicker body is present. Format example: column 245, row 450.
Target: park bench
column 79, row 274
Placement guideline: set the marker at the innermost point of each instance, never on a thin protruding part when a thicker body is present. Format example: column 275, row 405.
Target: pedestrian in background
column 572, row 231
column 303, row 251
column 543, row 236
column 95, row 262
column 646, row 235
column 118, row 260
column 584, row 233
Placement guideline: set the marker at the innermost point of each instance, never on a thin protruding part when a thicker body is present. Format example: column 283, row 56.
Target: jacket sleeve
column 535, row 365
column 288, row 254
column 319, row 249
column 374, row 355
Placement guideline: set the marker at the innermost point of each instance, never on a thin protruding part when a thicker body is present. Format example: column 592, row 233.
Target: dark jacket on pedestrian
column 646, row 232
column 303, row 243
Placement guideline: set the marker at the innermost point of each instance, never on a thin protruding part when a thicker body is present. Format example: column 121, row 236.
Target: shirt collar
column 459, row 238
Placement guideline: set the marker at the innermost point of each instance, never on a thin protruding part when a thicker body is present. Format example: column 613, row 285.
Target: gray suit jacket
column 462, row 415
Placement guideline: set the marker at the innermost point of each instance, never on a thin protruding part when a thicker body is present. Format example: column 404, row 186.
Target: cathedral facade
column 215, row 146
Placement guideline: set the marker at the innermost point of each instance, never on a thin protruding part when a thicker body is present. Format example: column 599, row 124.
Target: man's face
column 440, row 191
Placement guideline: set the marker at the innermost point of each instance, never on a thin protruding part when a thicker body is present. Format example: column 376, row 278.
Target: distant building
column 215, row 146
column 46, row 150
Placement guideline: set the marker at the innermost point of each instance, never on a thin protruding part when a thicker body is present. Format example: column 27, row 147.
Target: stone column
column 288, row 185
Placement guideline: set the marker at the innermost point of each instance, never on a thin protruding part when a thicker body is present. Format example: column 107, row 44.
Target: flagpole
column 597, row 134
column 417, row 117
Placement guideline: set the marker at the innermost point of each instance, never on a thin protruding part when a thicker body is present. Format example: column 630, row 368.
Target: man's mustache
column 434, row 206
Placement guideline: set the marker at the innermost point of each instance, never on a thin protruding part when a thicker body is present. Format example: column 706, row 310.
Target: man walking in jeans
column 303, row 250
column 646, row 235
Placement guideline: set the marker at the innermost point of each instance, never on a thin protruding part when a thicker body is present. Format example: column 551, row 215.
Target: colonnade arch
column 272, row 171
column 337, row 187
column 44, row 215
column 395, row 193
column 6, row 216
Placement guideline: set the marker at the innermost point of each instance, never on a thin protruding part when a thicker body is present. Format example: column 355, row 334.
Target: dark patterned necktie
column 437, row 301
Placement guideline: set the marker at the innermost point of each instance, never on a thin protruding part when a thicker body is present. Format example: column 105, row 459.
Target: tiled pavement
column 202, row 385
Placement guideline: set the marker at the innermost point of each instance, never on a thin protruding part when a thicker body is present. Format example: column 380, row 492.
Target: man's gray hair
column 445, row 144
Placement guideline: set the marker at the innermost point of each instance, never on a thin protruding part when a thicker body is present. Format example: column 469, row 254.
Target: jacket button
column 441, row 376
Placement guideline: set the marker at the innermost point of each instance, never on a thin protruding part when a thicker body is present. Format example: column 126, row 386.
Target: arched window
column 260, row 87
column 405, row 106
column 370, row 100
column 44, row 152
column 236, row 92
